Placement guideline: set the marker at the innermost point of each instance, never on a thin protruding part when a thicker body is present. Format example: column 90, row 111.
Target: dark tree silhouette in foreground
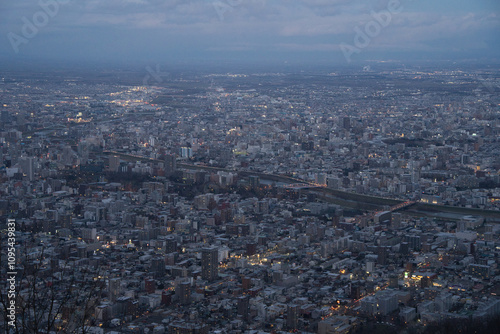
column 52, row 298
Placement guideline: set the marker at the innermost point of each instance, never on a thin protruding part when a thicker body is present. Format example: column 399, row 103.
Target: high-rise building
column 393, row 281
column 81, row 251
column 158, row 266
column 170, row 245
column 346, row 122
column 28, row 167
column 396, row 220
column 404, row 248
column 150, row 285
column 387, row 301
column 114, row 163
column 251, row 248
column 5, row 117
column 333, row 182
column 355, row 292
column 185, row 293
column 170, row 164
column 414, row 242
column 382, row 253
column 209, row 263
column 244, row 307
column 186, row 152
column 292, row 315
column 383, row 303
column 370, row 266
column 114, row 286
column 246, row 283
column 320, row 178
column 254, row 181
column 480, row 271
column 425, row 282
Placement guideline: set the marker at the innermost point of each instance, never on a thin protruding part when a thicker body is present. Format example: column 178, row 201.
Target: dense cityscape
column 205, row 201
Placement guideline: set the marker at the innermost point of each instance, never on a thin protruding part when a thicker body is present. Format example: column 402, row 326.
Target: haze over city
column 307, row 31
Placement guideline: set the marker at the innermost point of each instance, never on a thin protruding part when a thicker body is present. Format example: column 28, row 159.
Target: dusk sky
column 242, row 30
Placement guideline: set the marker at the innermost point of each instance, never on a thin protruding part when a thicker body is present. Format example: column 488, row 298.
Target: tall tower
column 244, row 307
column 346, row 122
column 292, row 314
column 5, row 117
column 170, row 164
column 114, row 286
column 185, row 293
column 209, row 263
column 158, row 266
column 114, row 163
column 28, row 167
column 170, row 245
